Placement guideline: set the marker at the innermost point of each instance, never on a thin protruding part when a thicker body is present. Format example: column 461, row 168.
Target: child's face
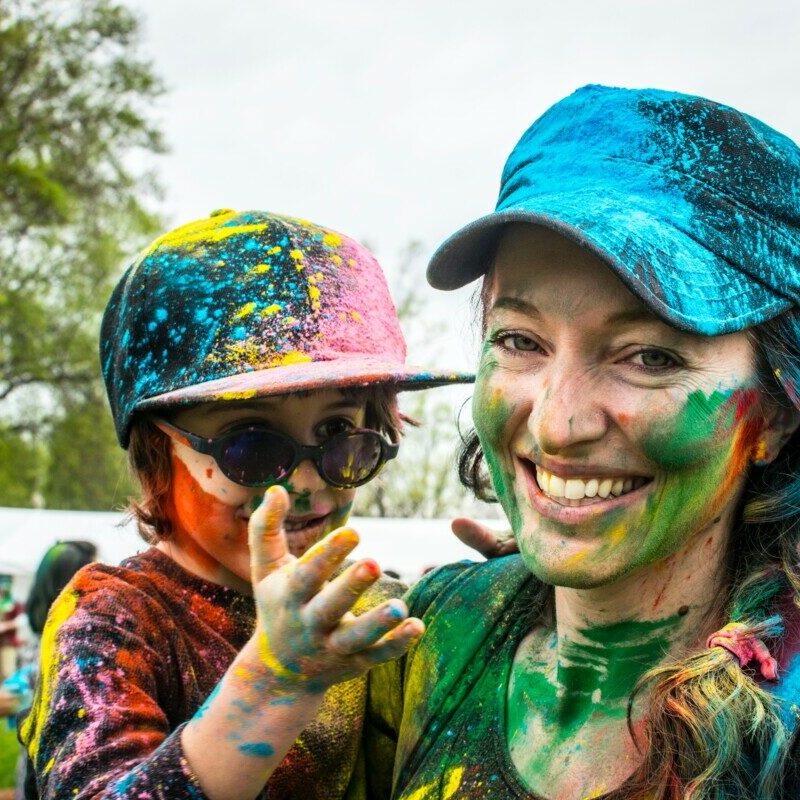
column 210, row 512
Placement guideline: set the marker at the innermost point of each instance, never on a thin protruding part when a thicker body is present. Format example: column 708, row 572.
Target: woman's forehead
column 539, row 272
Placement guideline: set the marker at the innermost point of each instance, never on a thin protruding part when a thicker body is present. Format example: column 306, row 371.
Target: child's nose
column 305, row 478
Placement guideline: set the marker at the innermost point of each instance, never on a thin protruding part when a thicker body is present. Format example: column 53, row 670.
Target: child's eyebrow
column 213, row 409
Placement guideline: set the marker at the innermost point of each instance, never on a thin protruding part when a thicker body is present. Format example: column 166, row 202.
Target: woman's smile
column 599, row 493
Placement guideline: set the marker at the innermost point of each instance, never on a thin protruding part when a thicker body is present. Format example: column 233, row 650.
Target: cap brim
column 678, row 278
column 307, row 376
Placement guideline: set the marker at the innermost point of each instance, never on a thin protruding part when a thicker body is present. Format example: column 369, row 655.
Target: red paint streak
column 209, row 473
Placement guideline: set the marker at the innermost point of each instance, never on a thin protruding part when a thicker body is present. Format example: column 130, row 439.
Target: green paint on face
column 259, row 498
column 303, row 501
column 340, row 516
column 491, row 413
column 683, row 441
column 701, row 455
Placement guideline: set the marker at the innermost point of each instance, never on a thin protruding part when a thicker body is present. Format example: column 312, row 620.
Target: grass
column 9, row 747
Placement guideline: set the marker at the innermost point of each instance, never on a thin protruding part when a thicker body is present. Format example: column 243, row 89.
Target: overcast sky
column 391, row 121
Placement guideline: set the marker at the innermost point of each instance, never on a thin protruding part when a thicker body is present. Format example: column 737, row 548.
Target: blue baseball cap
column 694, row 205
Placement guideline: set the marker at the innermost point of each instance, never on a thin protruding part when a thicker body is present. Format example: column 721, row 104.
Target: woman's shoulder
column 469, row 584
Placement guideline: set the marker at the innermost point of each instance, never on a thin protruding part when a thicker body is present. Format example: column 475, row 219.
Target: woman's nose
column 569, row 411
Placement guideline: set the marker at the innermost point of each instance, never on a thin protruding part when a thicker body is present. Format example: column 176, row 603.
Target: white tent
column 406, row 545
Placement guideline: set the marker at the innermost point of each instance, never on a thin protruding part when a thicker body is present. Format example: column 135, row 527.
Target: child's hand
column 307, row 637
column 487, row 542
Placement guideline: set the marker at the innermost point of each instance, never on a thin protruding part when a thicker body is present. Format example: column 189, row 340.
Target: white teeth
column 574, row 489
column 604, row 488
column 557, row 486
column 543, row 479
column 578, row 489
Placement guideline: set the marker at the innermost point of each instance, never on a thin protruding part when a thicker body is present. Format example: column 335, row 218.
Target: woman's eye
column 517, row 341
column 655, row 359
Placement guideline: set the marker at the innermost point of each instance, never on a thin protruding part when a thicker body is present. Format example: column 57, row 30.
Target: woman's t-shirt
column 452, row 741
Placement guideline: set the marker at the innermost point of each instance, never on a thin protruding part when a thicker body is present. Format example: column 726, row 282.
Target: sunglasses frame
column 214, row 446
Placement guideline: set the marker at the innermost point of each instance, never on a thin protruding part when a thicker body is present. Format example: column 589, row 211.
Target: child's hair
column 54, row 572
column 150, row 462
column 712, row 732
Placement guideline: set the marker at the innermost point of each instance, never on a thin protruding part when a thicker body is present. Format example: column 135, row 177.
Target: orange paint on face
column 202, row 524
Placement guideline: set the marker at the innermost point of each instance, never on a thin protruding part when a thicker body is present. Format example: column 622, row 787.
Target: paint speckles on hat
column 219, row 308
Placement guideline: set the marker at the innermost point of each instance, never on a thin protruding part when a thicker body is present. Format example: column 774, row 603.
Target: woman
column 636, row 409
column 635, row 406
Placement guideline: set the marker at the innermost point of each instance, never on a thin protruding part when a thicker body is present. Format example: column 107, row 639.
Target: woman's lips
column 574, row 510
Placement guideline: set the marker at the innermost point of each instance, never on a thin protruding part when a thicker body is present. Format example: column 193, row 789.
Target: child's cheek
column 208, row 476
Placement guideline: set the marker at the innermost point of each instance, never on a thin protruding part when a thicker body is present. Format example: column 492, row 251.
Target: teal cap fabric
column 694, row 205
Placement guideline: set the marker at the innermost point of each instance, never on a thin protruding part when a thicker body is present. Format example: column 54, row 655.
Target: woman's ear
column 780, row 424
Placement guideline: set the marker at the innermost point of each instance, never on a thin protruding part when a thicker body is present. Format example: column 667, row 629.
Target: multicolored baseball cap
column 694, row 205
column 243, row 305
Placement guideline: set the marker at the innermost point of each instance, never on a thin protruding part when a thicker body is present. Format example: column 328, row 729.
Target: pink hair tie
column 737, row 640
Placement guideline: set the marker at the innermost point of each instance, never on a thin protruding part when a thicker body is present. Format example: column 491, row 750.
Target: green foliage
column 87, row 468
column 9, row 747
column 75, row 106
column 20, row 467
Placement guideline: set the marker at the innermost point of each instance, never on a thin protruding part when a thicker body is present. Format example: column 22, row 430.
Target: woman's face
column 210, row 512
column 612, row 438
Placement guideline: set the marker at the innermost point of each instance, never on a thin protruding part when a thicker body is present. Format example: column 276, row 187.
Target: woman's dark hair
column 54, row 572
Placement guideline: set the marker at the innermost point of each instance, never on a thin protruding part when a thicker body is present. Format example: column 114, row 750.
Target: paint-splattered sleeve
column 98, row 727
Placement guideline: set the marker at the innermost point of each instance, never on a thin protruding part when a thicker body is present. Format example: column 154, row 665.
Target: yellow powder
column 202, row 232
column 63, row 608
column 292, row 357
column 244, row 394
column 270, row 310
column 332, row 239
column 245, row 310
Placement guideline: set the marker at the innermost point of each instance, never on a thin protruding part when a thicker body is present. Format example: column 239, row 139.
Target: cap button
column 218, row 212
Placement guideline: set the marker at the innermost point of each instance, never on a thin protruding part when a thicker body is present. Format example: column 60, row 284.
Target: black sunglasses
column 254, row 455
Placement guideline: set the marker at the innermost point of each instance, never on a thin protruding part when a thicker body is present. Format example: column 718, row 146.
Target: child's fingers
column 319, row 562
column 357, row 634
column 394, row 644
column 326, row 608
column 266, row 537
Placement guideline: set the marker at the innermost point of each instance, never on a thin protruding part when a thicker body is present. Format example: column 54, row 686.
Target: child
column 239, row 352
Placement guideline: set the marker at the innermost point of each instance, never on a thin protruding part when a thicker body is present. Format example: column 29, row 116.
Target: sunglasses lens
column 257, row 457
column 351, row 459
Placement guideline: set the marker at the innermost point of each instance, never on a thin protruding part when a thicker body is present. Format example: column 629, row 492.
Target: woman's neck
column 618, row 632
